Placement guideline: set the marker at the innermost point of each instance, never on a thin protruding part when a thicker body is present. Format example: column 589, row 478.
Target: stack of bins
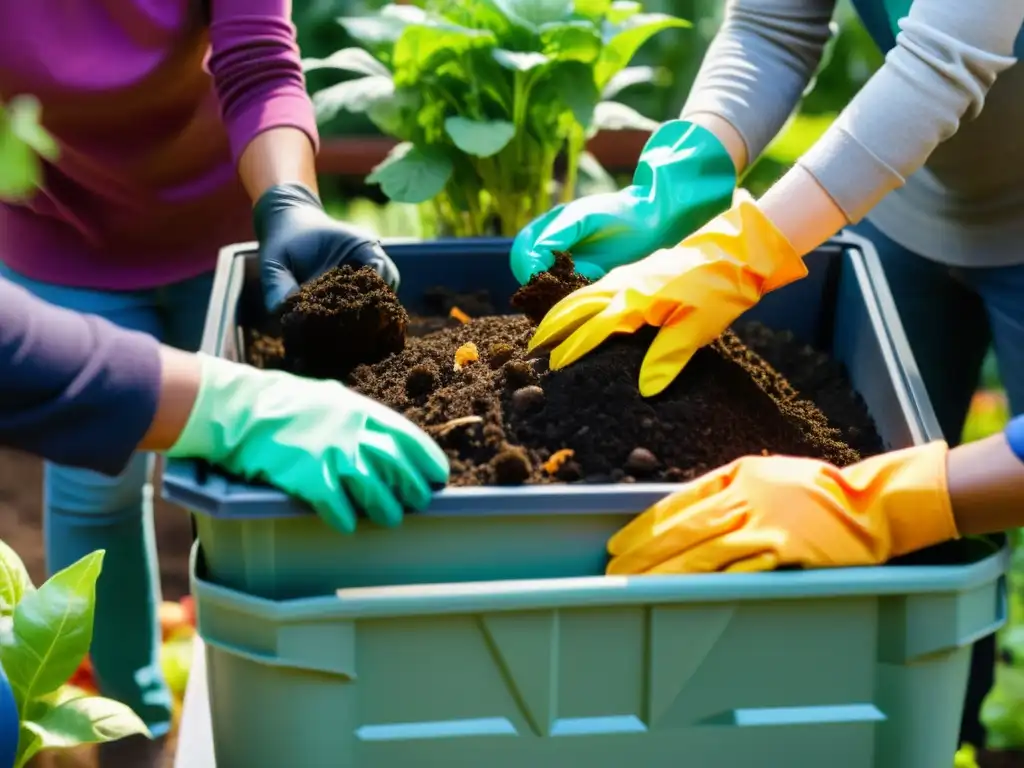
column 481, row 632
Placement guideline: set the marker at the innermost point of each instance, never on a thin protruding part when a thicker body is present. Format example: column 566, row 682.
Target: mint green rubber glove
column 315, row 440
column 684, row 179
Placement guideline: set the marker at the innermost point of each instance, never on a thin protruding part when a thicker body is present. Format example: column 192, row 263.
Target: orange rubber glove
column 693, row 292
column 762, row 512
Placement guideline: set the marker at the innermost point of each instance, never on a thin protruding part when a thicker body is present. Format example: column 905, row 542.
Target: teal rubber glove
column 684, row 179
column 315, row 440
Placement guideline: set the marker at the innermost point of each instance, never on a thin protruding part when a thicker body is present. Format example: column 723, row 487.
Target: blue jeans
column 85, row 511
column 952, row 316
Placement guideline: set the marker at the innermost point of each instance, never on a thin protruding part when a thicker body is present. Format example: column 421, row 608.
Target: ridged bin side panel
column 777, row 684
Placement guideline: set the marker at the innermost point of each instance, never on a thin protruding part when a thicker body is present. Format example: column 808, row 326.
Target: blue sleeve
column 74, row 388
column 1015, row 436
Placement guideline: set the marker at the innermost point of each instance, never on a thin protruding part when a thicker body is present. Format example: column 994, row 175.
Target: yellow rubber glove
column 693, row 292
column 762, row 512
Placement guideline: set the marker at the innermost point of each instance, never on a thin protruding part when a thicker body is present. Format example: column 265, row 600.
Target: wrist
column 180, row 381
column 279, row 198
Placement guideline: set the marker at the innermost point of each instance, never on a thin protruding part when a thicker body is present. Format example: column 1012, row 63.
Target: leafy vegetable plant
column 44, row 635
column 485, row 95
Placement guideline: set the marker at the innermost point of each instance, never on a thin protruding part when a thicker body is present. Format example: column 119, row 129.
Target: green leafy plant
column 486, row 95
column 44, row 636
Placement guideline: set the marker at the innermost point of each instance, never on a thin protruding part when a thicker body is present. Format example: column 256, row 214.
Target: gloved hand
column 299, row 241
column 684, row 178
column 315, row 440
column 759, row 513
column 693, row 292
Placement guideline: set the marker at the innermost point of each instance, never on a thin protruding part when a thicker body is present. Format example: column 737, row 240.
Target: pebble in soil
column 344, row 318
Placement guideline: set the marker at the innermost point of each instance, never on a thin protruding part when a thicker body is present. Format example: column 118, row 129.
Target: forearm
column 258, row 76
column 756, row 70
column 986, row 482
column 946, row 59
column 277, row 156
column 74, row 388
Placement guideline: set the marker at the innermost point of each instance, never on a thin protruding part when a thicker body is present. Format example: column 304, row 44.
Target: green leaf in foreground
column 86, row 720
column 14, row 580
column 23, row 141
column 52, row 630
column 412, row 175
column 479, row 138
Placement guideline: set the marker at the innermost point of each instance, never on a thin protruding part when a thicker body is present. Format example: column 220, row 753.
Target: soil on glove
column 504, row 418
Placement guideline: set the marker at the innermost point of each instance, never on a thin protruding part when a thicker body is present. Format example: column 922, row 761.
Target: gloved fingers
column 671, row 350
column 371, row 254
column 392, row 466
column 370, row 494
column 278, row 284
column 593, row 333
column 715, row 554
column 692, row 527
column 589, row 269
column 565, row 317
column 526, row 258
column 664, row 513
column 418, row 448
column 334, row 506
column 766, row 561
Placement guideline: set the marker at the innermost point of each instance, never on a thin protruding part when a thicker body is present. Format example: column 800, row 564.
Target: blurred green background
column 676, row 55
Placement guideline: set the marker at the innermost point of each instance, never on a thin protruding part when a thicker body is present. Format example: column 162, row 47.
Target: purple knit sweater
column 151, row 106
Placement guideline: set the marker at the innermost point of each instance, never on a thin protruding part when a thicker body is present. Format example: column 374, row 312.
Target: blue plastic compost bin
column 845, row 668
column 257, row 540
column 480, row 632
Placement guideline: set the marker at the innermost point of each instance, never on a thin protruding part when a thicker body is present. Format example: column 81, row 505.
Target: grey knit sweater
column 932, row 148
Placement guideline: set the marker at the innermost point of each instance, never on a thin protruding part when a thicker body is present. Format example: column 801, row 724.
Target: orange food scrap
column 558, row 459
column 465, row 355
column 458, row 314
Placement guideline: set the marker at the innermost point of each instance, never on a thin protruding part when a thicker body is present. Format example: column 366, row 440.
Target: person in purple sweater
column 183, row 126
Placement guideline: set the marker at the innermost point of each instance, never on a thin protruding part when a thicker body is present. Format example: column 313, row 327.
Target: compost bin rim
column 607, row 591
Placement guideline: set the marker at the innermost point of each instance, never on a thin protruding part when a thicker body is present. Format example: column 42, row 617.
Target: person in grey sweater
column 927, row 161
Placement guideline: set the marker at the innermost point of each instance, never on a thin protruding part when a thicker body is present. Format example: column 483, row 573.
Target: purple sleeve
column 256, row 70
column 74, row 388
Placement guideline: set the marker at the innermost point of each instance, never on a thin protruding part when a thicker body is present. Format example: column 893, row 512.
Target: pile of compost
column 504, row 418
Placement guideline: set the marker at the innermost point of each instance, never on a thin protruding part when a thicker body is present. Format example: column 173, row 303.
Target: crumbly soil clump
column 344, row 318
column 504, row 418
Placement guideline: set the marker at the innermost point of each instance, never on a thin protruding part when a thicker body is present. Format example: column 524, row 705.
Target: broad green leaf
column 621, row 10
column 570, row 86
column 575, row 40
column 28, row 745
column 412, row 175
column 629, row 77
column 52, row 630
column 85, row 720
column 613, row 116
column 479, row 138
column 397, row 116
column 14, row 578
column 534, row 13
column 349, row 60
column 622, row 41
column 352, row 96
column 422, row 49
column 520, row 62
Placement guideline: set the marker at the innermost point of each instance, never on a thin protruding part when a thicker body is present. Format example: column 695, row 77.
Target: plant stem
column 576, row 143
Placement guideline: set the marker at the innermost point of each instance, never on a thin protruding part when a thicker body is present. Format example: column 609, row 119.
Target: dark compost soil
column 505, row 418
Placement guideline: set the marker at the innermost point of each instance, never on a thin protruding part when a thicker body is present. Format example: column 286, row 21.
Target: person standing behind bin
column 927, row 161
column 182, row 126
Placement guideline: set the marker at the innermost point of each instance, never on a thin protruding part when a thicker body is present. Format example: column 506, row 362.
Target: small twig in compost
column 443, row 429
